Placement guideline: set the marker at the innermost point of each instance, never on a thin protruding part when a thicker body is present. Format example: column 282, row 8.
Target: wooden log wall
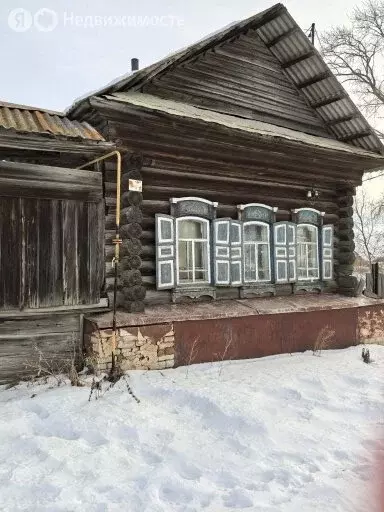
column 170, row 178
column 161, row 134
column 346, row 256
column 131, row 291
column 191, row 158
column 243, row 78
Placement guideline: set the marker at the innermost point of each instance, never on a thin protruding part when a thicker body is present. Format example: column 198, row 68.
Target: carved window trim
column 232, row 253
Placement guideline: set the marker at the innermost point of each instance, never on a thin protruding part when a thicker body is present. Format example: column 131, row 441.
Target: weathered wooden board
column 31, row 219
column 58, row 337
column 10, row 266
column 96, row 219
column 27, row 180
column 50, row 249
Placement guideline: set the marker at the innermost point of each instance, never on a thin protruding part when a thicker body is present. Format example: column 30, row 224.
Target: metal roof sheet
column 25, row 119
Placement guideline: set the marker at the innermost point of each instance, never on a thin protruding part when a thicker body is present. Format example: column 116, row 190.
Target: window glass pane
column 307, row 252
column 201, row 261
column 192, row 229
column 255, row 233
column 193, row 255
column 235, row 233
column 301, row 256
column 199, row 255
column 250, row 262
column 263, row 261
column 312, row 273
column 312, row 255
column 201, row 275
column 306, row 234
column 280, row 234
column 165, row 230
column 301, row 273
column 185, row 263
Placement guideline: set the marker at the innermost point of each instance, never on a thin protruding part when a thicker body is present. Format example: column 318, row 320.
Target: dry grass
column 323, row 340
column 60, row 368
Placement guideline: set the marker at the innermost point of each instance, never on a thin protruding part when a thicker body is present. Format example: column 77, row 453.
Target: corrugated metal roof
column 25, row 119
column 317, row 83
column 301, row 61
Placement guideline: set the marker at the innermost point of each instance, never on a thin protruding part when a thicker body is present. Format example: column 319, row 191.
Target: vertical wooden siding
column 51, row 252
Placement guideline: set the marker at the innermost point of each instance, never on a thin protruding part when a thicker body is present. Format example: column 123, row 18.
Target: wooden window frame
column 193, row 283
column 268, row 243
column 317, row 242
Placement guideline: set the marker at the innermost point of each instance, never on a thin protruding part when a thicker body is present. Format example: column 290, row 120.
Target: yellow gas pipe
column 117, row 240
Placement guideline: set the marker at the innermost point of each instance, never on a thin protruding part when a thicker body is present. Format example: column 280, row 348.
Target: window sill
column 257, row 290
column 251, row 290
column 308, row 286
column 193, row 292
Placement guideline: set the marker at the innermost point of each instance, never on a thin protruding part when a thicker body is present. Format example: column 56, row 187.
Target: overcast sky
column 54, row 51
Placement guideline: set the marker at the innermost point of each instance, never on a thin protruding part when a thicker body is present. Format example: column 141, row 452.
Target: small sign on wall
column 135, row 185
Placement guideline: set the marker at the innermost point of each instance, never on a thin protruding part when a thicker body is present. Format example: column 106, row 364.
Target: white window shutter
column 165, row 252
column 236, row 237
column 284, row 234
column 327, row 252
column 221, row 251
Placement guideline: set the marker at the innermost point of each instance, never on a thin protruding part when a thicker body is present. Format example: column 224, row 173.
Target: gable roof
column 298, row 58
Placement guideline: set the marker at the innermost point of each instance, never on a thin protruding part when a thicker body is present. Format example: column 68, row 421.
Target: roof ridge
column 218, row 36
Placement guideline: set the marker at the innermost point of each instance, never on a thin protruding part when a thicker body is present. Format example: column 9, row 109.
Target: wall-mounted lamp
column 312, row 194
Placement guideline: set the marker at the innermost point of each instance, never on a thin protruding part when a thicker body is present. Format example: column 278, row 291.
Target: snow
column 283, row 433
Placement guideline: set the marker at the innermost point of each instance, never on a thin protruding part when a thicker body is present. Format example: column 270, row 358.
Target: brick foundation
column 137, row 348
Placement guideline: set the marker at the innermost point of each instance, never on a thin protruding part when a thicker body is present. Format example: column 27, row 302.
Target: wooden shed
column 51, row 235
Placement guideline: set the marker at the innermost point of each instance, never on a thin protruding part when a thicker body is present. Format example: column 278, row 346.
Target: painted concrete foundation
column 178, row 335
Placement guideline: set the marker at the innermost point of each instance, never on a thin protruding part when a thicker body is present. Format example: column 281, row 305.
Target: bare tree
column 369, row 226
column 356, row 55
